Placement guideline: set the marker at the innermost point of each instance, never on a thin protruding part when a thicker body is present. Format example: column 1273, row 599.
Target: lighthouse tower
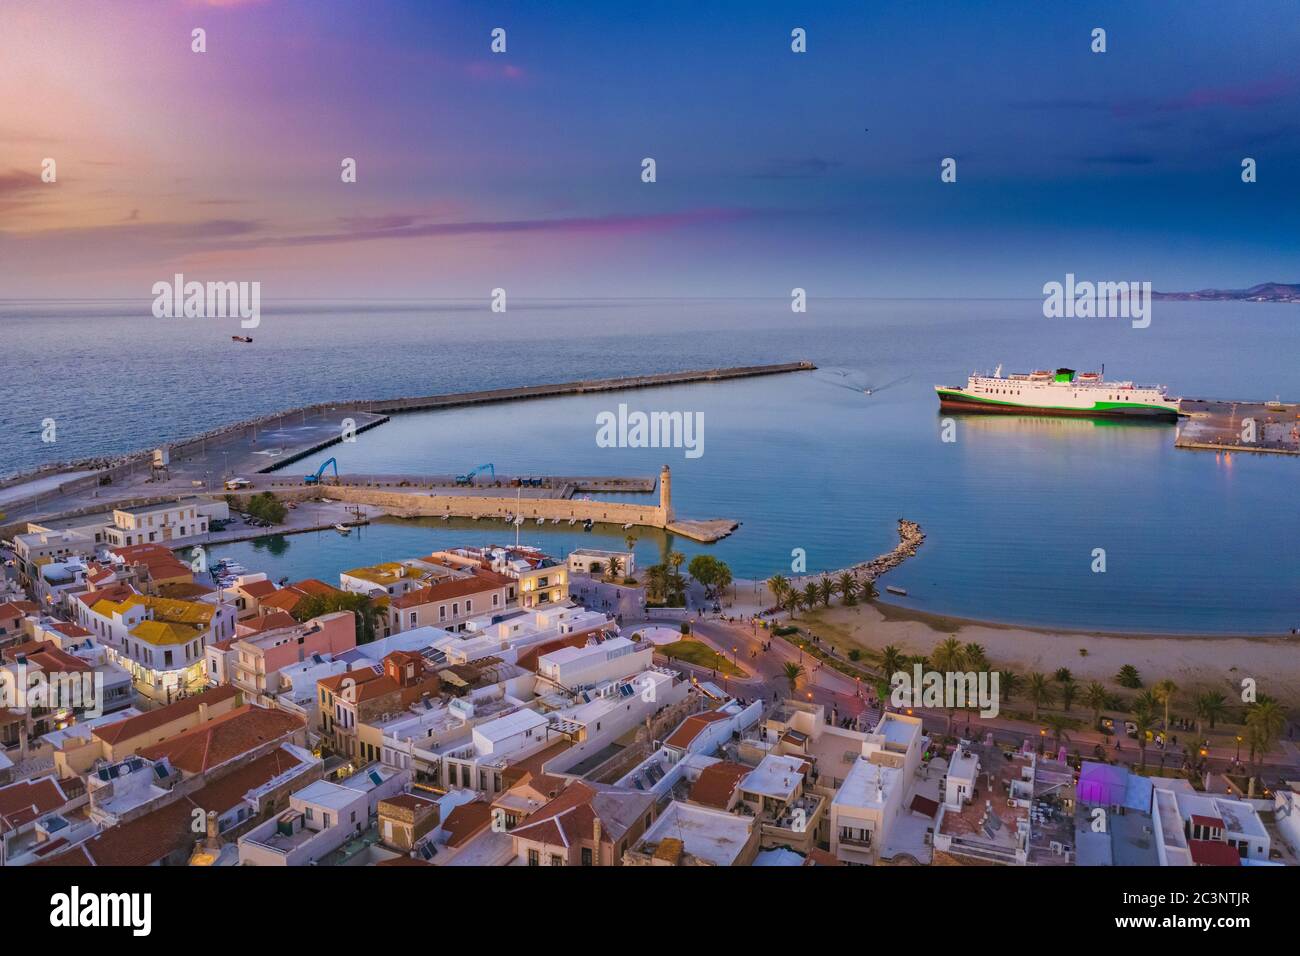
column 666, row 495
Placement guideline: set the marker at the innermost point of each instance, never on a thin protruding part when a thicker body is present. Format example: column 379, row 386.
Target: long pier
column 263, row 445
column 1258, row 427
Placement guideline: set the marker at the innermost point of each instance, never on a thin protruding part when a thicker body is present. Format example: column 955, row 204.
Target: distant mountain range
column 1264, row 292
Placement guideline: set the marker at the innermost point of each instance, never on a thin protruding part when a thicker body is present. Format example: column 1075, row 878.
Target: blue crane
column 315, row 479
column 469, row 478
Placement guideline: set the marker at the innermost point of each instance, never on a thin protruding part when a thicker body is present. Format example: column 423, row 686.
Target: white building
column 595, row 562
column 579, row 667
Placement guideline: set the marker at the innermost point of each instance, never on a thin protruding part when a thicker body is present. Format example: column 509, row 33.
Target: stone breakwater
column 910, row 537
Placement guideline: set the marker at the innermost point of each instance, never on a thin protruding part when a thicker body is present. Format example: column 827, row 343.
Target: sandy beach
column 1194, row 662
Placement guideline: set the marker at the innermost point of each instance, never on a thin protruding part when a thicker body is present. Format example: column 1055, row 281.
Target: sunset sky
column 522, row 170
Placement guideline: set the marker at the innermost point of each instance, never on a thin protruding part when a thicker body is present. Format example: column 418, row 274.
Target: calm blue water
column 1013, row 509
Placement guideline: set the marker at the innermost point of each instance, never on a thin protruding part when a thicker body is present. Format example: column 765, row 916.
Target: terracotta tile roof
column 360, row 677
column 482, row 583
column 68, row 629
column 465, row 821
column 229, row 789
column 112, row 593
column 46, row 655
column 924, row 806
column 266, row 622
column 184, row 590
column 404, row 861
column 27, row 800
column 533, row 763
column 408, row 801
column 150, row 838
column 258, row 589
column 820, row 857
column 314, row 586
column 1213, row 853
column 286, row 599
column 15, row 609
column 571, row 816
column 224, row 739
column 692, row 727
column 143, row 723
column 717, row 782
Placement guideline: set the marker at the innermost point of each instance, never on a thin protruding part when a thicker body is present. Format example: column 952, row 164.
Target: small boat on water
column 519, row 520
column 555, row 521
column 241, row 338
column 446, row 517
column 586, row 525
column 573, row 521
column 541, row 521
column 626, row 526
column 342, row 529
column 895, row 589
column 510, row 519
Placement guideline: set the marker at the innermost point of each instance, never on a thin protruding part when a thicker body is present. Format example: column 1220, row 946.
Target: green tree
column 867, row 590
column 1265, row 721
column 1210, row 706
column 826, row 591
column 793, row 672
column 1129, row 677
column 779, row 587
column 892, row 660
column 613, row 568
column 1095, row 697
column 848, row 586
column 1069, row 690
column 949, row 656
column 1008, row 684
column 1040, row 692
column 977, row 659
column 810, row 595
column 1164, row 693
column 1144, row 715
column 1057, row 724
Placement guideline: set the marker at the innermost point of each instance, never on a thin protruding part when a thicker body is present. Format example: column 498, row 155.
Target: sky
column 522, row 170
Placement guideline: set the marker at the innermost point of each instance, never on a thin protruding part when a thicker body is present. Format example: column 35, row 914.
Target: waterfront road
column 765, row 656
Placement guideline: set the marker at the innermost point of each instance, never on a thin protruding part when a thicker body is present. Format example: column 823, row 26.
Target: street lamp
column 1238, row 748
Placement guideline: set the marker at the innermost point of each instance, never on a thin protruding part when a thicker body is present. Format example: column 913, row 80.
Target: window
column 534, row 858
column 586, row 856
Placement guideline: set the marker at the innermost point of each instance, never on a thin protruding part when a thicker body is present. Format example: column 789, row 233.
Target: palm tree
column 722, row 579
column 675, row 559
column 613, row 567
column 848, row 586
column 867, row 590
column 793, row 672
column 1069, row 690
column 1265, row 721
column 1040, row 692
column 1095, row 697
column 1057, row 723
column 1129, row 677
column 1008, row 684
column 793, row 602
column 892, row 660
column 948, row 656
column 1143, row 717
column 778, row 585
column 976, row 657
column 826, row 591
column 657, row 581
column 1164, row 693
column 1211, row 706
column 630, row 541
column 1062, row 675
column 810, row 595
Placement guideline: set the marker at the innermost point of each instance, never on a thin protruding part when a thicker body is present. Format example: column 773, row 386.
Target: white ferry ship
column 1062, row 392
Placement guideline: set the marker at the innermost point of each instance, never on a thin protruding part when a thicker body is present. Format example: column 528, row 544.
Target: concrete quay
column 1259, row 427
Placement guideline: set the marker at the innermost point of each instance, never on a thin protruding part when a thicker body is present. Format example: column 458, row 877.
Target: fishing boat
column 626, row 526
column 446, row 517
column 573, row 521
column 241, row 338
column 342, row 529
column 519, row 520
column 587, row 525
column 895, row 589
column 541, row 521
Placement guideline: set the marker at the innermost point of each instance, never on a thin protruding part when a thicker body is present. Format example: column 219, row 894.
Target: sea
column 1069, row 523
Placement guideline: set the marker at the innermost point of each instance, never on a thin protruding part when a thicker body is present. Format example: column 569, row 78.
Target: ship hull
column 965, row 402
